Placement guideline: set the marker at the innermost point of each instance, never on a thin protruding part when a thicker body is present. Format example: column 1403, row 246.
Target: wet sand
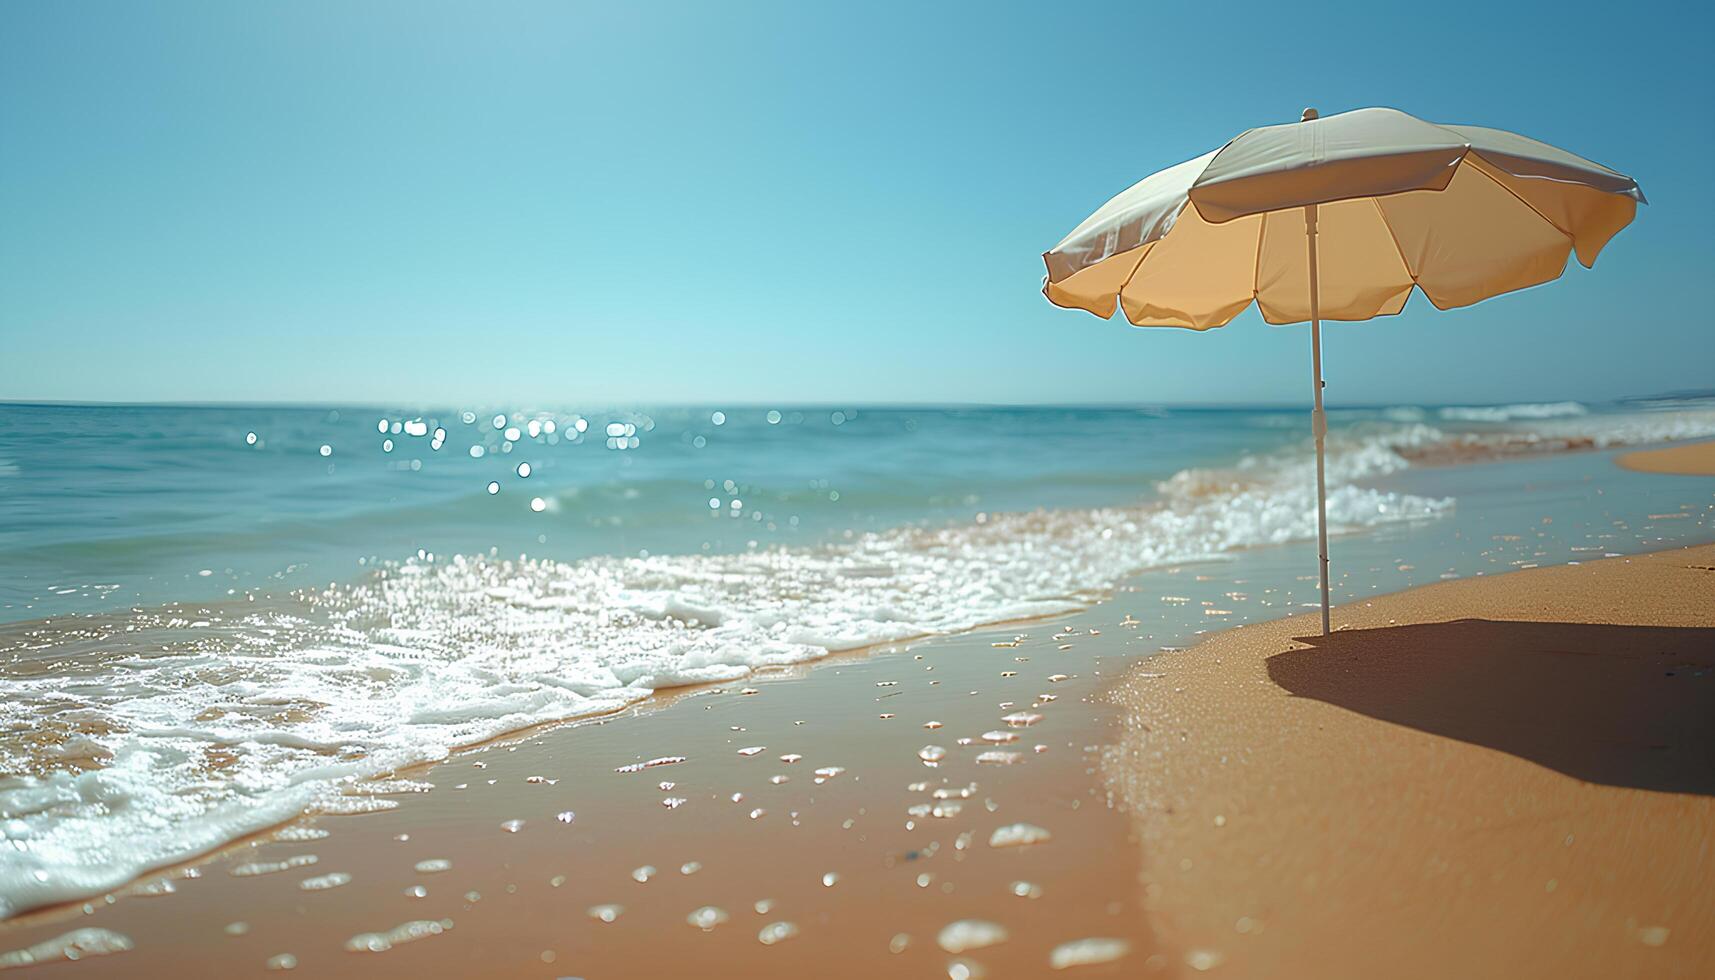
column 1696, row 459
column 1499, row 776
column 844, row 858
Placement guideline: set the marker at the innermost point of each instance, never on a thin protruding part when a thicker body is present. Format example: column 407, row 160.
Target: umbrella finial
column 1308, row 115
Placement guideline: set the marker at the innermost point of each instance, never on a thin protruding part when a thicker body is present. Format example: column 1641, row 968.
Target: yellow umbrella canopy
column 1460, row 212
column 1339, row 218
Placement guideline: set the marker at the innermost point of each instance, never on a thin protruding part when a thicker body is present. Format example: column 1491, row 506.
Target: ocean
column 216, row 618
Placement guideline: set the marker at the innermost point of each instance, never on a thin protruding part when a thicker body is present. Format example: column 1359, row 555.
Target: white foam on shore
column 175, row 731
column 1509, row 413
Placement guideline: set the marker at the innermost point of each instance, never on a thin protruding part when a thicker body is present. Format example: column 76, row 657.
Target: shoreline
column 1480, row 777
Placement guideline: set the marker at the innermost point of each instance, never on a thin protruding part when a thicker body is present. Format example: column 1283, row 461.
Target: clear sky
column 634, row 202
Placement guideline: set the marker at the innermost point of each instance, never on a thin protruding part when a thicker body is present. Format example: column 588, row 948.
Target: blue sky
column 626, row 203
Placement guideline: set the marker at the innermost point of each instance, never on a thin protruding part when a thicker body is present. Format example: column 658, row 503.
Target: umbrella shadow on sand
column 1619, row 705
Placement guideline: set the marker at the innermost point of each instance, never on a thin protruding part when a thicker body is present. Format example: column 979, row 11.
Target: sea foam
column 182, row 729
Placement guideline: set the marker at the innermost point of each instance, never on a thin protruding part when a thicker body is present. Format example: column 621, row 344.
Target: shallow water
column 153, row 713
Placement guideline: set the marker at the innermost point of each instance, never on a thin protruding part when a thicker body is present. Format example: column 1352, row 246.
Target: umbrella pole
column 1318, row 419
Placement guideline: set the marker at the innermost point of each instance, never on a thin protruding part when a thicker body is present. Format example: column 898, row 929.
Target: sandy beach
column 1694, row 459
column 1498, row 776
column 1505, row 776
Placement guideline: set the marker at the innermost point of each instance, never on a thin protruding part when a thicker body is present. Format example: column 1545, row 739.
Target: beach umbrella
column 1339, row 218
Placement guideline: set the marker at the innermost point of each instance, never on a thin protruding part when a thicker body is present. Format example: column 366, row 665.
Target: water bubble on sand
column 946, row 811
column 674, row 802
column 931, row 725
column 737, row 797
column 565, row 816
column 829, row 772
column 752, row 750
column 776, row 932
column 416, row 891
column 665, row 785
column 898, row 943
column 512, row 826
column 763, row 906
column 1018, row 835
column 1203, row 960
column 791, row 757
column 758, row 813
column 1057, row 678
column 493, row 486
column 999, row 737
column 968, row 934
column 690, row 867
column 931, row 754
column 556, row 881
column 606, row 913
column 299, row 833
column 830, row 879
column 1021, row 719
column 473, row 896
column 236, row 928
column 284, row 961
column 665, row 760
column 433, row 866
column 75, row 945
column 777, row 780
column 381, row 942
column 706, row 918
column 644, row 873
column 1025, row 889
column 159, row 886
column 998, row 757
column 1087, row 952
column 255, row 868
column 321, row 883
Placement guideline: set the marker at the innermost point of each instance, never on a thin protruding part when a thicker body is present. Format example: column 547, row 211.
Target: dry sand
column 1695, row 459
column 1504, row 776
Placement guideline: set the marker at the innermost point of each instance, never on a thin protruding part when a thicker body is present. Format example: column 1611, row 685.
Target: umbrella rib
column 1533, row 208
column 1256, row 269
column 1376, row 202
column 1119, row 294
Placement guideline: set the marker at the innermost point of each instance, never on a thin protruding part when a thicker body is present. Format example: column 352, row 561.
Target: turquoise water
column 326, row 594
column 105, row 507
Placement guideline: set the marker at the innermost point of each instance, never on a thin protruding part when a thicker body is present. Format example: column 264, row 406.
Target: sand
column 1500, row 776
column 1378, row 814
column 1695, row 459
